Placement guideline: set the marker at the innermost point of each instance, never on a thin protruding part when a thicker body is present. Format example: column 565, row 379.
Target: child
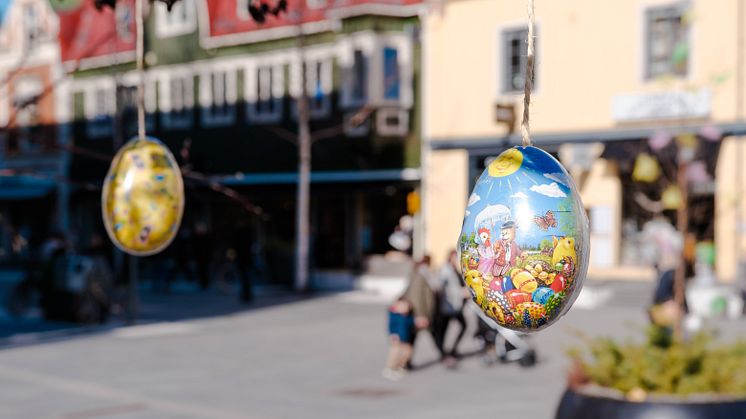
column 401, row 333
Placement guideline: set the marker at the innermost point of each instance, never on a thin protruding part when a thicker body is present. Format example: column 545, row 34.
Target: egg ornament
column 143, row 197
column 525, row 222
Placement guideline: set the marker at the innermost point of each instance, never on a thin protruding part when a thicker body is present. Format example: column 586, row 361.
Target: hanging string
column 529, row 83
column 140, row 69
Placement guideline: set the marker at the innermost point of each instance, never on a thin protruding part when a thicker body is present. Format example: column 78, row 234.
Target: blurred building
column 610, row 81
column 33, row 163
column 220, row 92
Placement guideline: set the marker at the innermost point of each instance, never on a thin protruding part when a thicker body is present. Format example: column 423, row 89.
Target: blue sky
column 539, row 185
column 4, row 6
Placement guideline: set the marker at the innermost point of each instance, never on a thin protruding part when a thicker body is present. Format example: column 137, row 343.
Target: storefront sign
column 662, row 105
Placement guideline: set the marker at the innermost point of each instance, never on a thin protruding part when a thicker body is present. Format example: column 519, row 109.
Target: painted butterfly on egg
column 524, row 243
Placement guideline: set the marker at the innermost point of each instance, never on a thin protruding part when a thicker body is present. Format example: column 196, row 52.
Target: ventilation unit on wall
column 392, row 122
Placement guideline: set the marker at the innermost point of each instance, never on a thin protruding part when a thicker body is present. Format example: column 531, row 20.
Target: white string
column 529, row 83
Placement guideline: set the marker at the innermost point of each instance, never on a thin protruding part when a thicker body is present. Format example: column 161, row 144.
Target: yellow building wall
column 588, row 52
column 445, row 193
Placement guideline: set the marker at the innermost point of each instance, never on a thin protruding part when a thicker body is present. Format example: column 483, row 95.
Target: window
column 182, row 19
column 177, row 101
column 316, row 4
column 667, row 45
column 265, row 91
column 318, row 86
column 100, row 105
column 31, row 25
column 357, row 80
column 242, row 9
column 359, row 76
column 218, row 97
column 123, row 16
column 514, row 60
column 26, row 137
column 391, row 74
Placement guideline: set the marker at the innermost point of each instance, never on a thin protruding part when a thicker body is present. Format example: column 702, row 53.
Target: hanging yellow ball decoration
column 143, row 197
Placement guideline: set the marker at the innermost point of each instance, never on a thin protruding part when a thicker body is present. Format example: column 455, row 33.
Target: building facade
column 220, row 92
column 33, row 157
column 609, row 82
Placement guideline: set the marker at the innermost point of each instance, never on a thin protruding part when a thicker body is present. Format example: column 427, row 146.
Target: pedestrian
column 452, row 296
column 421, row 295
column 401, row 336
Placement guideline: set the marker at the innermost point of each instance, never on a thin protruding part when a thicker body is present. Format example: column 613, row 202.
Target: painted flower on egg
column 526, row 227
column 143, row 197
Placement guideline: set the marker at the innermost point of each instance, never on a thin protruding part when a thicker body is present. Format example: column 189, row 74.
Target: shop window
column 182, row 19
column 513, row 60
column 176, row 101
column 666, row 42
column 391, row 74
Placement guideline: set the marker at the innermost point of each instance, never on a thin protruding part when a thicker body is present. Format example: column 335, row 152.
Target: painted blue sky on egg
column 539, row 185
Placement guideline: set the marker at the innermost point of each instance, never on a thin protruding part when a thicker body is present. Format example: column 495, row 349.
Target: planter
column 587, row 403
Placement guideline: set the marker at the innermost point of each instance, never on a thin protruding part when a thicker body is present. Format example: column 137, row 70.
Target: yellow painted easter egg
column 143, row 197
column 525, row 282
column 526, row 226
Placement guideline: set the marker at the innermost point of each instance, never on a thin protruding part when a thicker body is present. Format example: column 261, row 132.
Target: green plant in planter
column 663, row 365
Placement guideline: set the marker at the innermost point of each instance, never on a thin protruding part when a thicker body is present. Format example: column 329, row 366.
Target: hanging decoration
column 143, row 195
column 646, row 169
column 711, row 133
column 671, row 197
column 659, row 140
column 525, row 239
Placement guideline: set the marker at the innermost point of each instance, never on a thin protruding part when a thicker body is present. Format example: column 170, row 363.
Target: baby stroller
column 501, row 344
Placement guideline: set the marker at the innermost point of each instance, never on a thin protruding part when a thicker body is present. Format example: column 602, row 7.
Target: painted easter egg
column 525, row 221
column 542, row 295
column 516, row 297
column 559, row 283
column 143, row 197
column 507, row 284
column 525, row 282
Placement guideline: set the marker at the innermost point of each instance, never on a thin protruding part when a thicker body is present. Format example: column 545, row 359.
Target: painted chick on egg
column 525, row 225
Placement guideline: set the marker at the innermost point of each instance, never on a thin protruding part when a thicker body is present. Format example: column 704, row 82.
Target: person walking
column 450, row 306
column 420, row 294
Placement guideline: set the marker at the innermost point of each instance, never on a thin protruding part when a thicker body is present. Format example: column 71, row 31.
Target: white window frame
column 242, row 9
column 500, row 61
column 254, row 76
column 99, row 119
column 167, row 26
column 664, row 10
column 208, row 116
column 321, row 77
column 403, row 44
column 132, row 79
column 121, row 25
column 176, row 116
column 32, row 35
column 366, row 42
column 503, row 82
column 316, row 4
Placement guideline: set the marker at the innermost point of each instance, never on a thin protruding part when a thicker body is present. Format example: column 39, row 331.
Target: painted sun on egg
column 143, row 197
column 524, row 242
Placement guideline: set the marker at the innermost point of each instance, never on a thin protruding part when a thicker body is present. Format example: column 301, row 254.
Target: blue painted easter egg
column 525, row 218
column 143, row 197
column 542, row 295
